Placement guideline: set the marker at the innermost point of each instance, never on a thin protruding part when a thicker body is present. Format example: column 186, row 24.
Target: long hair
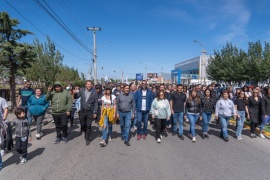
column 197, row 98
column 159, row 94
column 209, row 91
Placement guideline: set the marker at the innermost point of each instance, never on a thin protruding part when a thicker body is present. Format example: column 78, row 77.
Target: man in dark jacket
column 89, row 108
column 143, row 100
column 61, row 107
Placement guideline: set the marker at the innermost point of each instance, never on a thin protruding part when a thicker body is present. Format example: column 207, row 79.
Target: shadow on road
column 15, row 159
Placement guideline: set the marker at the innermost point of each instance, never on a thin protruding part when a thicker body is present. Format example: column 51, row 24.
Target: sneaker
column 161, row 136
column 203, row 136
column 127, row 143
column 207, row 136
column 144, row 136
column 38, row 136
column 3, row 152
column 134, row 127
column 23, row 161
column 226, row 139
column 103, row 143
column 52, row 121
column 138, row 137
column 64, row 140
column 190, row 136
column 193, row 139
column 239, row 138
column 57, row 141
column 252, row 135
column 109, row 139
column 169, row 126
column 181, row 137
column 158, row 140
column 262, row 136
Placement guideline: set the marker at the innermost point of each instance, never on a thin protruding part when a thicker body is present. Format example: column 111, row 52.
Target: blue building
column 191, row 71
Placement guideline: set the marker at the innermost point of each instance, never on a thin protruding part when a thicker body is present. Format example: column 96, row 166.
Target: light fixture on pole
column 94, row 29
column 202, row 63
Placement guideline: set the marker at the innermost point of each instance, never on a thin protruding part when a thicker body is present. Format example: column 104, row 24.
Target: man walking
column 143, row 101
column 178, row 102
column 89, row 108
column 61, row 107
column 24, row 95
column 126, row 109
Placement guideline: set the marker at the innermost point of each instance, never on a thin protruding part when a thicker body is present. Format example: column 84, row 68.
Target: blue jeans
column 178, row 118
column 142, row 117
column 28, row 114
column 240, row 123
column 206, row 116
column 192, row 120
column 264, row 121
column 135, row 120
column 0, row 161
column 224, row 126
column 108, row 130
column 125, row 123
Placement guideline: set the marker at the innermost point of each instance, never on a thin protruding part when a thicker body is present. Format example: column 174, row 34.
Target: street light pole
column 94, row 29
column 202, row 63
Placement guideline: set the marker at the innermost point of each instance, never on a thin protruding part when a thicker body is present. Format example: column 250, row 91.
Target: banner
column 152, row 76
column 139, row 76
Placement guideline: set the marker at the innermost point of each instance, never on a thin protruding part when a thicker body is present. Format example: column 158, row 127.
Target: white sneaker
column 23, row 161
column 109, row 139
column 38, row 136
column 158, row 140
column 160, row 136
column 262, row 136
column 134, row 127
column 169, row 126
column 239, row 138
column 193, row 139
column 103, row 143
column 3, row 152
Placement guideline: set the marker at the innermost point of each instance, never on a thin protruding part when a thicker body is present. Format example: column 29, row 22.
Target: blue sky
column 144, row 33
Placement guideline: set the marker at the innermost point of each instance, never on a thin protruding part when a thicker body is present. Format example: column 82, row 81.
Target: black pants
column 72, row 114
column 21, row 146
column 86, row 118
column 60, row 122
column 253, row 127
column 160, row 126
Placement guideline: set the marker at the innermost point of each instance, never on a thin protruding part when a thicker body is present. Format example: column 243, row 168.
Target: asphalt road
column 145, row 159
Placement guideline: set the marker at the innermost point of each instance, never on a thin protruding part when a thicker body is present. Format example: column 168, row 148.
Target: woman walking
column 38, row 105
column 265, row 106
column 108, row 113
column 161, row 111
column 193, row 112
column 240, row 104
column 254, row 111
column 208, row 108
column 224, row 111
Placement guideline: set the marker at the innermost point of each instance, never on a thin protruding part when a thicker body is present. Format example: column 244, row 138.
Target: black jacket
column 92, row 103
column 265, row 105
column 193, row 107
column 212, row 100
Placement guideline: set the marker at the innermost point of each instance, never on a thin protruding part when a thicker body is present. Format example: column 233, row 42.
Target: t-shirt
column 240, row 104
column 25, row 94
column 3, row 105
column 107, row 102
column 178, row 100
column 144, row 100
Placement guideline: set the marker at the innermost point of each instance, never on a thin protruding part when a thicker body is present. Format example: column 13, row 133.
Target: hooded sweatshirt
column 61, row 101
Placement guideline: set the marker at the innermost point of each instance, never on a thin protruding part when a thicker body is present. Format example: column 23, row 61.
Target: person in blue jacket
column 38, row 105
column 143, row 100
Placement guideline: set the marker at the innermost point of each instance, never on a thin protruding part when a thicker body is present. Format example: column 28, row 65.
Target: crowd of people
column 169, row 107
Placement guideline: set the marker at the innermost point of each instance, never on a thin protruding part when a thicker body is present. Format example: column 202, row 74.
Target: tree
column 47, row 63
column 14, row 56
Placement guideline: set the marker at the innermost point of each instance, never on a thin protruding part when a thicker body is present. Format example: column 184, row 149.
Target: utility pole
column 94, row 29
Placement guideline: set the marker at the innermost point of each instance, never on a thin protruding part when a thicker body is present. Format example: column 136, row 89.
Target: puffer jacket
column 37, row 106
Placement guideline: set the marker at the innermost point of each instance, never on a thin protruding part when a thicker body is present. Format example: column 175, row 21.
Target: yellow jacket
column 110, row 113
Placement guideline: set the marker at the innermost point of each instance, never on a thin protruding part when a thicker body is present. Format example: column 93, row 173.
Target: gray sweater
column 125, row 103
column 161, row 109
column 22, row 127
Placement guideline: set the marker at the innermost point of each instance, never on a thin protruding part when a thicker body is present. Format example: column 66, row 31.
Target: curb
column 257, row 130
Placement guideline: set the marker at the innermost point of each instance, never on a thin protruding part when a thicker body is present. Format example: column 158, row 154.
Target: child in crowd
column 22, row 131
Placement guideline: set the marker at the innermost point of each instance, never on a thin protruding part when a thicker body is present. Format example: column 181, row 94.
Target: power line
column 61, row 23
column 40, row 30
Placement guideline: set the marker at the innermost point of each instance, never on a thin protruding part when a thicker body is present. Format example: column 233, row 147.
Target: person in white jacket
column 161, row 111
column 224, row 111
